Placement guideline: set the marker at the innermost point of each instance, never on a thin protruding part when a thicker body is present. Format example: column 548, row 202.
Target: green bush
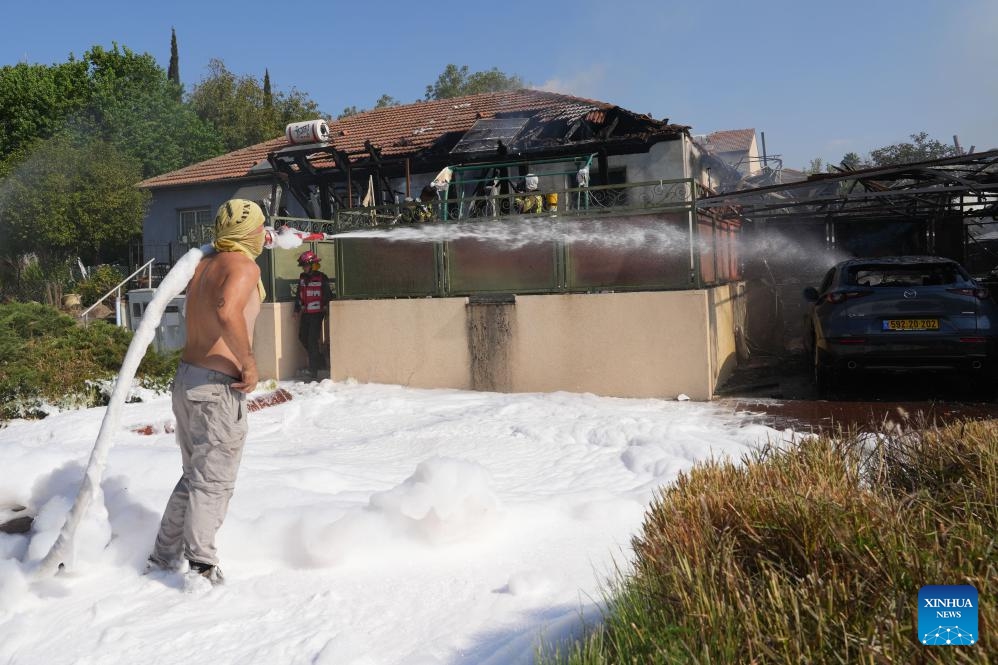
column 811, row 553
column 47, row 358
column 100, row 280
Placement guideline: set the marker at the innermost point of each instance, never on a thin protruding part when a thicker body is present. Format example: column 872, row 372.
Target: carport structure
column 794, row 232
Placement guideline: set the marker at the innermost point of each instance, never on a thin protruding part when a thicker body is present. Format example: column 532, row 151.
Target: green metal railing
column 448, row 262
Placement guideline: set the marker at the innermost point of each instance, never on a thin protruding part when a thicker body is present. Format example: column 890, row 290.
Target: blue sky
column 819, row 78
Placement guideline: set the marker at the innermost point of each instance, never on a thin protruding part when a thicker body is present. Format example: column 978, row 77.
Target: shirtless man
column 216, row 371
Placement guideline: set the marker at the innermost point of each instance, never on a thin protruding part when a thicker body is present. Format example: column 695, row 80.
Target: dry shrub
column 811, row 553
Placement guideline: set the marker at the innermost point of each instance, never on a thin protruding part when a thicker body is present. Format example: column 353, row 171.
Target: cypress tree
column 268, row 98
column 173, row 73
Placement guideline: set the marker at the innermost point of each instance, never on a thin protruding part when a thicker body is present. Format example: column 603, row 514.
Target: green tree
column 121, row 96
column 349, row 111
column 237, row 107
column 133, row 106
column 36, row 100
column 173, row 72
column 456, row 81
column 75, row 139
column 817, row 165
column 72, row 197
column 386, row 101
column 10, row 162
column 268, row 94
column 921, row 148
column 851, row 161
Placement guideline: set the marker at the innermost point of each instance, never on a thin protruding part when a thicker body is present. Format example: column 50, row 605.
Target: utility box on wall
column 171, row 333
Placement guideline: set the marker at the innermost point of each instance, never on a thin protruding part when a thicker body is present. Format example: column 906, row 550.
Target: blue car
column 899, row 313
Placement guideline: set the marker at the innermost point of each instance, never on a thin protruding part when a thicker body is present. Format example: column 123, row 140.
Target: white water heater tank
column 310, row 131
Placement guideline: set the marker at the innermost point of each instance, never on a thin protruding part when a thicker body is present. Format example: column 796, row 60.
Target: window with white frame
column 196, row 227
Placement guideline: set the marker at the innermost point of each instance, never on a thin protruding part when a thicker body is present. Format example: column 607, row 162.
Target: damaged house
column 550, row 243
column 738, row 148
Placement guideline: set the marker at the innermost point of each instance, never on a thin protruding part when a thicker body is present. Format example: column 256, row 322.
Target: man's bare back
column 221, row 310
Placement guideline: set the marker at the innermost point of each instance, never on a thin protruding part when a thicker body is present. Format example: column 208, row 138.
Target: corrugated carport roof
column 966, row 185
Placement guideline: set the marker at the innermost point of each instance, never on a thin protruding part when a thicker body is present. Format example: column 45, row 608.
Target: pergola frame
column 964, row 186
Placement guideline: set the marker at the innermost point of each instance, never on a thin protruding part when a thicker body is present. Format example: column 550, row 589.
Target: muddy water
column 827, row 415
column 781, row 396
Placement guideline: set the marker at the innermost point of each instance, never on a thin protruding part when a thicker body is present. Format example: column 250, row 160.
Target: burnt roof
column 432, row 128
column 966, row 185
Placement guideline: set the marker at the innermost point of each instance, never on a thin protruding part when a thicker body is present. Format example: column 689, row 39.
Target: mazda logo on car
column 910, row 293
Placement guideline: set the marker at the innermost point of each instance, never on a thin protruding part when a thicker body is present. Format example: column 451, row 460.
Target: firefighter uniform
column 314, row 294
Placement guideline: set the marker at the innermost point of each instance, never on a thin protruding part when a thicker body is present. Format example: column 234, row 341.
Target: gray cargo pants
column 211, row 431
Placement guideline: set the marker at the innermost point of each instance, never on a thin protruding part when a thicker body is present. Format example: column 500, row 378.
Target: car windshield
column 921, row 274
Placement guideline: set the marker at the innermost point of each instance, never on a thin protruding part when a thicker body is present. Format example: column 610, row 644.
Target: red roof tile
column 396, row 130
column 731, row 140
column 226, row 167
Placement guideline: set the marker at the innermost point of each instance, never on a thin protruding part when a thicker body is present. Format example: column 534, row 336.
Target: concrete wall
column 647, row 344
column 419, row 342
column 727, row 308
column 278, row 353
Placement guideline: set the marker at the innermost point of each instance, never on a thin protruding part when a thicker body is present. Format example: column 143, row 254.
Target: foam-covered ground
column 370, row 524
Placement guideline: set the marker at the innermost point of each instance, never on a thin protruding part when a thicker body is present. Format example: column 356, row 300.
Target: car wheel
column 822, row 375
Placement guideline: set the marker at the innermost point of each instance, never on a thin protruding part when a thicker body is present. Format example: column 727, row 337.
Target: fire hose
column 289, row 238
column 173, row 284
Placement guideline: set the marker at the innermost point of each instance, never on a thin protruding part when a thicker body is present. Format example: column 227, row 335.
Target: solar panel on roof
column 485, row 134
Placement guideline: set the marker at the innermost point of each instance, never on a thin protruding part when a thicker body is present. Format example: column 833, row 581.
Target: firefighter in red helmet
column 311, row 306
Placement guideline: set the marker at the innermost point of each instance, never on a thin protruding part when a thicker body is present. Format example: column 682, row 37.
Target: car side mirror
column 811, row 294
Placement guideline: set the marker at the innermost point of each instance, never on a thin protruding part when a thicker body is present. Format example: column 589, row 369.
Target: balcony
column 642, row 236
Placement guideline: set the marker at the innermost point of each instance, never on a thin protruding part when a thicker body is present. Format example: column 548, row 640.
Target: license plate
column 911, row 324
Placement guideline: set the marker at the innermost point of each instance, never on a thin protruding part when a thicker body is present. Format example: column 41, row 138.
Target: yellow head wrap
column 236, row 230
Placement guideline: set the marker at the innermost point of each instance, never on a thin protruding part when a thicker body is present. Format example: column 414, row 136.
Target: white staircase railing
column 120, row 319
